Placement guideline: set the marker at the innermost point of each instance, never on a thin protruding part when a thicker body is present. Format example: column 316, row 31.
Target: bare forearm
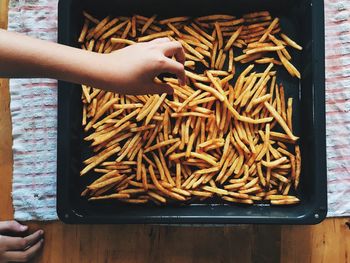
column 130, row 70
column 22, row 56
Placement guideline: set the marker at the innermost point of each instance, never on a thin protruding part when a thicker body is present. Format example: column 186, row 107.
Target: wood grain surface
column 326, row 242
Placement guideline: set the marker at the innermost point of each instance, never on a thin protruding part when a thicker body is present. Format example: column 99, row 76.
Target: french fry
column 156, row 35
column 198, row 36
column 174, row 20
column 269, row 29
column 288, row 201
column 233, row 38
column 280, row 120
column 290, row 42
column 113, row 30
column 90, row 17
column 122, row 41
column 111, row 196
column 83, row 32
column 297, row 166
column 289, row 66
column 148, row 23
column 191, row 49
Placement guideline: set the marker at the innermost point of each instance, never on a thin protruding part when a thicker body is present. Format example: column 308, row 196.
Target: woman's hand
column 132, row 70
column 13, row 247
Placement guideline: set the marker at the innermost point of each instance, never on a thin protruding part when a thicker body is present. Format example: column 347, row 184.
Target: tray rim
column 67, row 214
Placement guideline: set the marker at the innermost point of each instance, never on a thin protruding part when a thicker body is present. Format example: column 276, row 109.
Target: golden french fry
column 122, row 41
column 269, row 29
column 287, row 201
column 156, row 35
column 280, row 120
column 148, row 23
column 290, row 42
column 297, row 166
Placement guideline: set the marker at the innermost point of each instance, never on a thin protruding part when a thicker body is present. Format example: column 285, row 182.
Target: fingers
column 12, row 226
column 176, row 68
column 23, row 256
column 34, row 238
column 174, row 48
column 20, row 243
column 12, row 243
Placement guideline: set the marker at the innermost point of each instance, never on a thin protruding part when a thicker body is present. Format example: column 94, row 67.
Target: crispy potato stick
column 297, row 166
column 274, row 163
column 198, row 36
column 287, row 201
column 191, row 49
column 219, row 34
column 264, row 49
column 122, row 41
column 289, row 66
column 269, row 29
column 204, row 157
column 280, row 120
column 215, row 190
column 233, row 38
column 237, row 200
column 173, row 28
column 202, row 32
column 178, row 175
column 155, row 108
column 90, row 18
column 174, row 20
column 84, row 31
column 161, row 188
column 290, row 42
column 100, row 159
column 111, row 196
column 194, row 76
column 156, row 196
column 289, row 113
column 110, row 181
column 211, row 90
column 214, row 18
column 161, row 144
column 114, row 30
column 278, row 42
column 156, row 35
column 190, row 63
column 148, row 23
column 99, row 33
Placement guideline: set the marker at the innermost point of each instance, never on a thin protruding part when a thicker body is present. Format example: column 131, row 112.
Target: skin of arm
column 130, row 70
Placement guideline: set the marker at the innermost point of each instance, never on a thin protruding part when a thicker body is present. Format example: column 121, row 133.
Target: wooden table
column 326, row 242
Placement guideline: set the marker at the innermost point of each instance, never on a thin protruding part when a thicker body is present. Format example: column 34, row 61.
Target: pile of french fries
column 220, row 135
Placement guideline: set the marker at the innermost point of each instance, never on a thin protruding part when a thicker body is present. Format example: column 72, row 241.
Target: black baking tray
column 302, row 20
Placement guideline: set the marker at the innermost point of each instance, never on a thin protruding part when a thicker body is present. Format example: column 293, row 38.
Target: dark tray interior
column 301, row 20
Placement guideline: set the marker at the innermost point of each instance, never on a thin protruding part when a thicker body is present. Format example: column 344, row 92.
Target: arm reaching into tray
column 130, row 70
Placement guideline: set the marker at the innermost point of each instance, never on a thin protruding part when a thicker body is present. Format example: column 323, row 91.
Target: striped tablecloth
column 34, row 114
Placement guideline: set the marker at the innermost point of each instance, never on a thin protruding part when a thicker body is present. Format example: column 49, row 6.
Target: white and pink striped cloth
column 34, row 119
column 34, row 114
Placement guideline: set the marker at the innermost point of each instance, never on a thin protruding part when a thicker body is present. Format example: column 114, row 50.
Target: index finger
column 174, row 48
column 176, row 68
